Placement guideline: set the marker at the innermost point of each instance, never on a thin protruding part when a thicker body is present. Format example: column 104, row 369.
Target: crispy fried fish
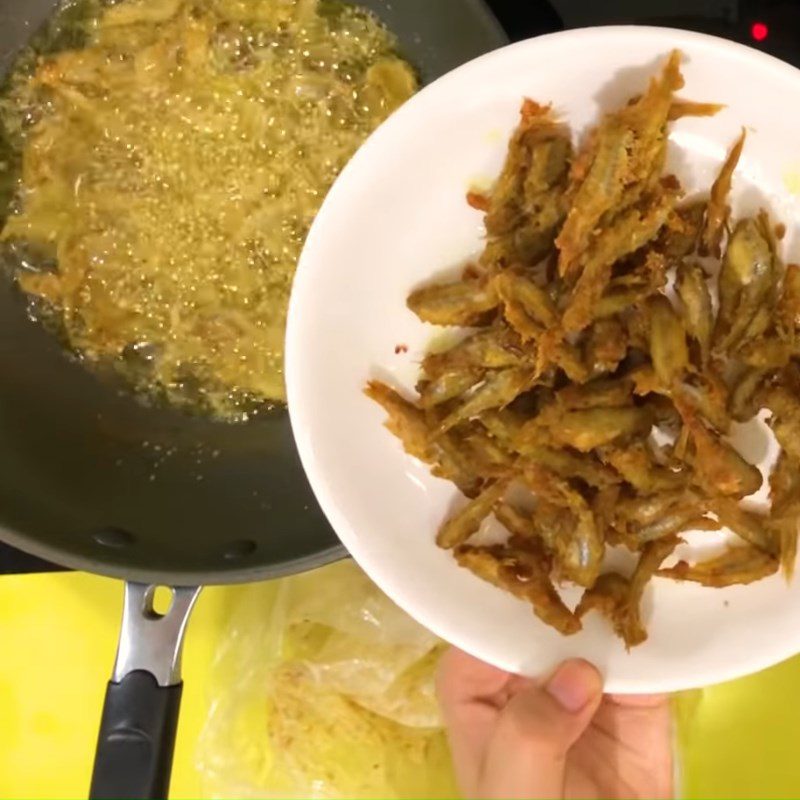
column 509, row 569
column 737, row 565
column 719, row 209
column 591, row 403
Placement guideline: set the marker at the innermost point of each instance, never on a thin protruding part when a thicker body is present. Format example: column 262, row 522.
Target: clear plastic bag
column 324, row 688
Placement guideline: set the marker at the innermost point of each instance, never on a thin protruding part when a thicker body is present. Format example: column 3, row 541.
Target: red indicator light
column 759, row 31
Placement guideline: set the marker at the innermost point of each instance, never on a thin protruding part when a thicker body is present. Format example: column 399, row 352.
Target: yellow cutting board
column 58, row 637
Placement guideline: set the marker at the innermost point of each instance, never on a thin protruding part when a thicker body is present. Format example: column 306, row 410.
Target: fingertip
column 575, row 685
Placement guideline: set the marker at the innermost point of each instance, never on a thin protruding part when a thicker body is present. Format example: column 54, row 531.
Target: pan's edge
column 219, row 577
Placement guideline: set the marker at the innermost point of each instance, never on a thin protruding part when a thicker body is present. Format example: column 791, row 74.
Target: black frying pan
column 93, row 479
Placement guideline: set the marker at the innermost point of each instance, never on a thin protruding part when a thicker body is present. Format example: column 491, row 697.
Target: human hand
column 513, row 737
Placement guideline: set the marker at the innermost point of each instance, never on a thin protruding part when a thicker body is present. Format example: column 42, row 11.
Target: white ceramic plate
column 396, row 218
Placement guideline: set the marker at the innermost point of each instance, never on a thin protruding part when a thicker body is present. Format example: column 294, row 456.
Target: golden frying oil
column 171, row 169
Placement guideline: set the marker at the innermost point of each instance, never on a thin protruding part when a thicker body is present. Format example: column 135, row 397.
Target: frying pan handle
column 140, row 715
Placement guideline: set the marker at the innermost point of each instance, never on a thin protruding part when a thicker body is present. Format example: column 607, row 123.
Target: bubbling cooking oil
column 170, row 169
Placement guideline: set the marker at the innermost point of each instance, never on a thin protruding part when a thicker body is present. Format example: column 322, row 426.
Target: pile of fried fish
column 618, row 332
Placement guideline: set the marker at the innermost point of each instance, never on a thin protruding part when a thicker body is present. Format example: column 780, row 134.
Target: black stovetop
column 770, row 25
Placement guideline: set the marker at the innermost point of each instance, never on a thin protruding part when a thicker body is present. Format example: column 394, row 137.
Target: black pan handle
column 137, row 738
column 140, row 715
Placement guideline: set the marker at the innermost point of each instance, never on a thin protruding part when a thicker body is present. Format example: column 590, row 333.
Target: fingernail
column 574, row 685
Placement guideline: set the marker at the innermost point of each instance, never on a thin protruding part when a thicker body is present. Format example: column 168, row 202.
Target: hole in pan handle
column 140, row 714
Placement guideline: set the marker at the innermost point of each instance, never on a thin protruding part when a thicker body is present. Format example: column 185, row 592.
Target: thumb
column 527, row 755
